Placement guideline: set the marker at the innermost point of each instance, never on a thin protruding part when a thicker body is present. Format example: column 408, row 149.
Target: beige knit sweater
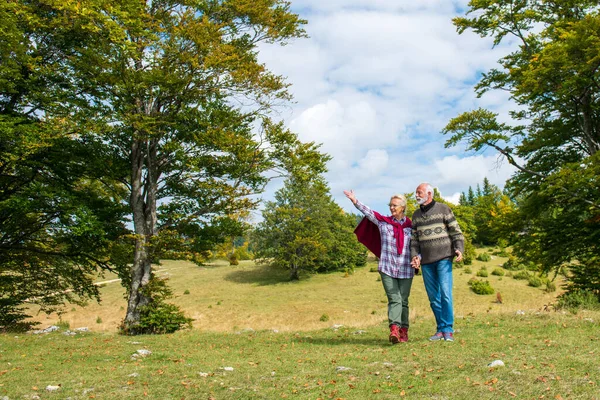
column 435, row 234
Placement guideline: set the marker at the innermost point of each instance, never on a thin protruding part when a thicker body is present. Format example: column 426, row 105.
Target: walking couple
column 429, row 242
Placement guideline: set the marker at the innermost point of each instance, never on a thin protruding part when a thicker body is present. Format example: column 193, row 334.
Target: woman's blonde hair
column 402, row 199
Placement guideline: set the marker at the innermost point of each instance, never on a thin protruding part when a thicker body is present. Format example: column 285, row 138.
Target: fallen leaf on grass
column 512, row 394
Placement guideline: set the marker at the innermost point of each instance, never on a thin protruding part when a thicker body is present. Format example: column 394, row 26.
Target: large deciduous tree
column 59, row 222
column 553, row 77
column 176, row 89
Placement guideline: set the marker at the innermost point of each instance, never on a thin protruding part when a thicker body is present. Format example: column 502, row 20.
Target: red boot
column 394, row 334
column 404, row 334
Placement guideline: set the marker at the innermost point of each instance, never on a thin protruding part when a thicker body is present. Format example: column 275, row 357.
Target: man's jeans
column 397, row 291
column 437, row 277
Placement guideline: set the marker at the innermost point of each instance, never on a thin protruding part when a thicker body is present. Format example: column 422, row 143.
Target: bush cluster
column 484, row 257
column 498, row 271
column 158, row 317
column 575, row 300
column 521, row 275
column 483, row 272
column 480, row 287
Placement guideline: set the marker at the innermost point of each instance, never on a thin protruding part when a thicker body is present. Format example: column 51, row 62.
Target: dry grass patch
column 231, row 298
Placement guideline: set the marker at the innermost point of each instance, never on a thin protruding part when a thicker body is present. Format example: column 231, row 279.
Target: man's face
column 421, row 195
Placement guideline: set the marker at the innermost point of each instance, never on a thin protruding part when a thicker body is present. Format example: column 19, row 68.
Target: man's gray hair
column 429, row 189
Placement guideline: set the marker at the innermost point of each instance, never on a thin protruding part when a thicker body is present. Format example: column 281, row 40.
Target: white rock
column 272, row 373
column 520, row 312
column 69, row 333
column 589, row 320
column 86, row 391
column 337, row 326
column 82, row 329
column 52, row 388
column 51, row 328
column 496, row 363
column 203, row 374
column 228, row 369
column 359, row 332
column 388, row 364
column 134, row 375
column 341, row 368
column 144, row 352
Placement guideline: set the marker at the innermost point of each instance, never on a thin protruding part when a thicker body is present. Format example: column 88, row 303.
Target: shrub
column 186, row 292
column 502, row 243
column 531, row 266
column 324, row 318
column 511, row 264
column 482, row 272
column 65, row 324
column 534, row 281
column 550, row 286
column 521, row 275
column 480, row 287
column 484, row 257
column 468, row 270
column 373, row 269
column 575, row 300
column 98, row 320
column 158, row 317
column 233, row 260
column 498, row 271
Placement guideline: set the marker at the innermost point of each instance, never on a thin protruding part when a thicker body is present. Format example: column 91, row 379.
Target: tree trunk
column 143, row 206
column 294, row 275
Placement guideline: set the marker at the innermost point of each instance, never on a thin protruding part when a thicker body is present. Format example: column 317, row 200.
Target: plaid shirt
column 391, row 263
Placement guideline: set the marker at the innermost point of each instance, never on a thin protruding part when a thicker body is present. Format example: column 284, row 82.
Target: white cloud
column 376, row 82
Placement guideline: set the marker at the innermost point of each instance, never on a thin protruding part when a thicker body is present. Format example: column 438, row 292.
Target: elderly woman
column 392, row 245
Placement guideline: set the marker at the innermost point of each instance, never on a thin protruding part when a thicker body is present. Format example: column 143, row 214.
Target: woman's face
column 396, row 209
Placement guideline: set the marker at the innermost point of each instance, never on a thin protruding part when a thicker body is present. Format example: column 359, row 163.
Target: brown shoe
column 404, row 334
column 394, row 334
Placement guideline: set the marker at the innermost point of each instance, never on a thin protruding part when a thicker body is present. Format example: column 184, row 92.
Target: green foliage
column 484, row 257
column 575, row 300
column 186, row 291
column 468, row 270
column 521, row 275
column 158, row 317
column 480, row 287
column 305, row 230
column 550, row 287
column 13, row 316
column 512, row 264
column 498, row 271
column 535, row 281
column 552, row 141
column 98, row 320
column 483, row 272
column 324, row 318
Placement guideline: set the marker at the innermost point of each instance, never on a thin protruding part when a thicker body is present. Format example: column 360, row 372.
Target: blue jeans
column 437, row 278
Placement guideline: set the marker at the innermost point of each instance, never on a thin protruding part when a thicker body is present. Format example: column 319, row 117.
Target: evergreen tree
column 304, row 230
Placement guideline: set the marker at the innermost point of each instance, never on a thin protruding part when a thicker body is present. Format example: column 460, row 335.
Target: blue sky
column 375, row 83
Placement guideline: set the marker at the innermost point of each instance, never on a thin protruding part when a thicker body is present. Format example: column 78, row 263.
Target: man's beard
column 420, row 200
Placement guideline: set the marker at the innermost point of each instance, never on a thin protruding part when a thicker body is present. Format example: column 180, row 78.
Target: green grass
column 273, row 334
column 548, row 355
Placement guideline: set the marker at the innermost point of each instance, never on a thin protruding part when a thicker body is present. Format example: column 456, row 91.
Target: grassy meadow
column 258, row 336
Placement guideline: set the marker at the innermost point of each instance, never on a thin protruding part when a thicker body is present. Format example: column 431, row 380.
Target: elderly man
column 436, row 239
